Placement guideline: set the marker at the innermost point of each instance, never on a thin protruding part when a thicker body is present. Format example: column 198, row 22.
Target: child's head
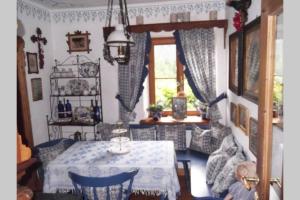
column 247, row 168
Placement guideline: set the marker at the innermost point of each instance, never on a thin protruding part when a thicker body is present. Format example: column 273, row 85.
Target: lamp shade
column 118, row 38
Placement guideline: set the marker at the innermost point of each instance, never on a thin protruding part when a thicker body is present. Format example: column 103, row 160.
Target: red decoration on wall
column 39, row 40
column 241, row 15
column 237, row 21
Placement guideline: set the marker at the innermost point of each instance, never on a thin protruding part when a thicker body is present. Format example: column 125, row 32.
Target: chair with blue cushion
column 140, row 132
column 47, row 151
column 104, row 188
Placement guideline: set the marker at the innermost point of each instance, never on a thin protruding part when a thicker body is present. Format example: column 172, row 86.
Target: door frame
column 269, row 10
column 21, row 80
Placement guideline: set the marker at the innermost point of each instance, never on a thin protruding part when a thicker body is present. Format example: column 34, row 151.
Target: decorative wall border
column 99, row 14
column 28, row 9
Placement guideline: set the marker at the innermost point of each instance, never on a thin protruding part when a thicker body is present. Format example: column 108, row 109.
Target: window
column 166, row 76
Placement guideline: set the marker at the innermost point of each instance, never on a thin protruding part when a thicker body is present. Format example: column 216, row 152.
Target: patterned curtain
column 133, row 75
column 197, row 52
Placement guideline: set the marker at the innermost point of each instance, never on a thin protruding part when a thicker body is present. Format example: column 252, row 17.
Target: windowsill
column 169, row 120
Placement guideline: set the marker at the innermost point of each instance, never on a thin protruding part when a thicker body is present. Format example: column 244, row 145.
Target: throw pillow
column 228, row 145
column 201, row 140
column 227, row 176
column 175, row 133
column 143, row 133
column 47, row 154
column 214, row 166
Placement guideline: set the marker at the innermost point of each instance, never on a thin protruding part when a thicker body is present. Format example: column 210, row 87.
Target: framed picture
column 32, row 63
column 179, row 107
column 253, row 139
column 37, row 90
column 233, row 114
column 236, row 62
column 243, row 118
column 78, row 42
column 251, row 61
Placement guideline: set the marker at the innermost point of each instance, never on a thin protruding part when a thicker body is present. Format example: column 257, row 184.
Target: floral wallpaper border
column 25, row 8
column 99, row 14
column 70, row 16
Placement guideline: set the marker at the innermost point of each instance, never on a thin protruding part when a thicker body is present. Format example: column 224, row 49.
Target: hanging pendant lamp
column 118, row 43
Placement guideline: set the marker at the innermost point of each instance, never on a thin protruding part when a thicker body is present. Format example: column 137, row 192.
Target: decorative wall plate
column 88, row 69
column 82, row 114
column 77, row 86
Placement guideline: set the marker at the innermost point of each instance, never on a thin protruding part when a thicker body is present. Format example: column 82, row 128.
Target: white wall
column 71, row 20
column 253, row 12
column 32, row 16
column 55, row 24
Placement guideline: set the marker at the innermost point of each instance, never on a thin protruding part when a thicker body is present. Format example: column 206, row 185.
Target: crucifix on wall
column 40, row 40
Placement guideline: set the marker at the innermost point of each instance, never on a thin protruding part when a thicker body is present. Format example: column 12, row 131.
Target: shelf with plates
column 72, row 82
column 72, row 123
column 71, row 77
column 72, row 95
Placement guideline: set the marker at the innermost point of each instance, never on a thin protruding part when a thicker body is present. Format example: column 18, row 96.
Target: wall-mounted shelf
column 80, row 75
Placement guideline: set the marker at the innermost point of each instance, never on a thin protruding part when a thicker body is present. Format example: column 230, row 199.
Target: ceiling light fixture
column 118, row 43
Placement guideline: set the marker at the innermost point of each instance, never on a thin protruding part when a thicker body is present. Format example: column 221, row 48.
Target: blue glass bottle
column 97, row 112
column 92, row 110
column 68, row 108
column 61, row 110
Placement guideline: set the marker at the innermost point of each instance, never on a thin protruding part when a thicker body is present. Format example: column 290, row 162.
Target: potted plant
column 155, row 111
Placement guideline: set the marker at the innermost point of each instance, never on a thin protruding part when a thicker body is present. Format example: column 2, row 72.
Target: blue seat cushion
column 175, row 133
column 143, row 133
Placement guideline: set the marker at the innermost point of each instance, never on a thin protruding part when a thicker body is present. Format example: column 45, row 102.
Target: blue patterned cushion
column 228, row 145
column 201, row 140
column 175, row 133
column 47, row 154
column 143, row 133
column 214, row 166
column 227, row 176
column 105, row 131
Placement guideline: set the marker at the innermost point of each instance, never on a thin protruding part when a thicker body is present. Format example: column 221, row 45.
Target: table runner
column 156, row 161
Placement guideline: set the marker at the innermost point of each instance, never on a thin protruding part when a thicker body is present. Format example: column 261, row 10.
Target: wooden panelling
column 22, row 87
column 267, row 51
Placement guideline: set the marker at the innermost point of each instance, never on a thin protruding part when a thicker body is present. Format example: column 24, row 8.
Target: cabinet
column 76, row 81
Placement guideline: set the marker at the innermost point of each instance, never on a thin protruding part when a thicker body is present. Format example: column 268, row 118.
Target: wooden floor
column 185, row 195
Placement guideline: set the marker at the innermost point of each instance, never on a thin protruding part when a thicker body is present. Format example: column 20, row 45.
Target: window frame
column 179, row 72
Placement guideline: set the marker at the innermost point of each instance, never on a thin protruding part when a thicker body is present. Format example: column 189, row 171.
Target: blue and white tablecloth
column 156, row 161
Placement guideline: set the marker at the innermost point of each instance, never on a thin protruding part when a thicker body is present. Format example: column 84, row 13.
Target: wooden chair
column 99, row 188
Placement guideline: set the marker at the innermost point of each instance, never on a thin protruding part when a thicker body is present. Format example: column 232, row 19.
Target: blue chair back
column 106, row 183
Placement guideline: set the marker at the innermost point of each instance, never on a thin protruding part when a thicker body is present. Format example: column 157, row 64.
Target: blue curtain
column 133, row 75
column 197, row 52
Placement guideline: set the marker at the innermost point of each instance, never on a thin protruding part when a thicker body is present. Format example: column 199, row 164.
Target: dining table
column 156, row 161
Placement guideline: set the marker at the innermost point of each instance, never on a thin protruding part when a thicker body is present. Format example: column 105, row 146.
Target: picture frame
column 234, row 113
column 251, row 61
column 236, row 62
column 253, row 135
column 179, row 107
column 243, row 118
column 78, row 42
column 37, row 89
column 32, row 63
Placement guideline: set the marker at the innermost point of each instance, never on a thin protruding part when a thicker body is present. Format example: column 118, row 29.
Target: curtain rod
column 172, row 26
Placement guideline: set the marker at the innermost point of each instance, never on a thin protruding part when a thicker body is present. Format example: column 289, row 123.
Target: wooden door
column 270, row 9
column 23, row 110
